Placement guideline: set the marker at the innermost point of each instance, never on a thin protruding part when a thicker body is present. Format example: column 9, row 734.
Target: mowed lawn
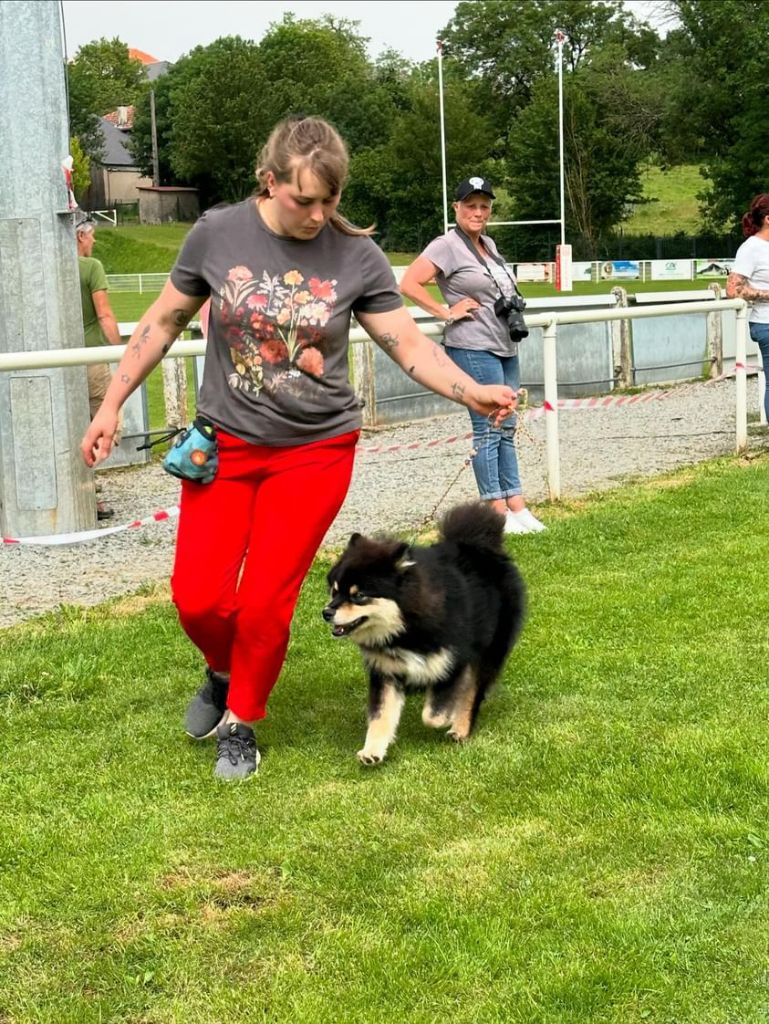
column 597, row 853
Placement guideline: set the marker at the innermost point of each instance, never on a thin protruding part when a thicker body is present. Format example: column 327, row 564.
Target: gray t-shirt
column 752, row 261
column 460, row 276
column 276, row 368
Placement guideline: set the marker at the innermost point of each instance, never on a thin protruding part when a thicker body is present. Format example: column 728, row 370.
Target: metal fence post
column 551, row 409
column 622, row 345
column 175, row 392
column 741, row 377
column 715, row 335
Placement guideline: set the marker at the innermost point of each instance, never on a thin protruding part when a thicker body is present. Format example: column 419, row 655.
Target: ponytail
column 753, row 220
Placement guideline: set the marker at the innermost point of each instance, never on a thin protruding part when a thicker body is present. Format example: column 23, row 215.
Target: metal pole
column 44, row 484
column 741, row 377
column 560, row 38
column 551, row 409
column 443, row 138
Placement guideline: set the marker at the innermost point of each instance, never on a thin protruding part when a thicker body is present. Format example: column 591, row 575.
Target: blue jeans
column 496, row 464
column 760, row 334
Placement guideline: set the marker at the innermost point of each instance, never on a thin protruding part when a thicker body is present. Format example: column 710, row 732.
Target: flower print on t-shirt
column 273, row 327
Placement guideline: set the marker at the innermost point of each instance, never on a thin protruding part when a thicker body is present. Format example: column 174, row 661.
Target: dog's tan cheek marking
column 382, row 729
column 384, row 621
column 463, row 706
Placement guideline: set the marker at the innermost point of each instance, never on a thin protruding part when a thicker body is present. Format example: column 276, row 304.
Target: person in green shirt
column 99, row 324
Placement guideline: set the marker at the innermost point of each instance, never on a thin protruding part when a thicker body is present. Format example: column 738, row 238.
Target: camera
column 511, row 311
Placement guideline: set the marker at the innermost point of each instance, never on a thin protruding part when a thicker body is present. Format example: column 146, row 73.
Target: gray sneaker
column 206, row 709
column 237, row 755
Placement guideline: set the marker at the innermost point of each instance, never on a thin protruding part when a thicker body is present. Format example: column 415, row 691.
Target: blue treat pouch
column 195, row 456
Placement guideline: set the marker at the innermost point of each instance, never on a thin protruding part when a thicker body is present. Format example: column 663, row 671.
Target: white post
column 551, row 410
column 741, row 377
column 560, row 38
column 443, row 138
column 761, row 394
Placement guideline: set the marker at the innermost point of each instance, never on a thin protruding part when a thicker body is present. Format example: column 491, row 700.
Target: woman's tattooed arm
column 738, row 287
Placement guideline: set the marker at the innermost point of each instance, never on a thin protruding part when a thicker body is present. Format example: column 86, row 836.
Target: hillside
column 672, row 205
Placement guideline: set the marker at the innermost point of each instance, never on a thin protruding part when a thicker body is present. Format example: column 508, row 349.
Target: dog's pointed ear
column 403, row 558
column 354, row 539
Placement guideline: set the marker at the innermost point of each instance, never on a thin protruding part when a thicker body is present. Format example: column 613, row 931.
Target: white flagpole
column 560, row 39
column 443, row 138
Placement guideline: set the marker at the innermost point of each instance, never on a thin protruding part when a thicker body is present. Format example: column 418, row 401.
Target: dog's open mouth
column 348, row 627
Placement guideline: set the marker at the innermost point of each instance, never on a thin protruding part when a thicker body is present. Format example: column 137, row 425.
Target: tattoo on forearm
column 180, row 318
column 411, row 370
column 739, row 286
column 440, row 356
column 165, row 348
column 143, row 338
column 124, row 378
column 458, row 391
column 389, row 341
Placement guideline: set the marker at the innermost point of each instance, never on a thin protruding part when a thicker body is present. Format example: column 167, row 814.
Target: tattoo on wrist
column 458, row 391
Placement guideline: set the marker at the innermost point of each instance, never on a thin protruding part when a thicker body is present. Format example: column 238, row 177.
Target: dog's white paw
column 457, row 736
column 370, row 757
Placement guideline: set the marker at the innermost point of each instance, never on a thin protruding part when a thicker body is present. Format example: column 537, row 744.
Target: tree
column 724, row 98
column 101, row 77
column 610, row 125
column 509, row 45
column 81, row 169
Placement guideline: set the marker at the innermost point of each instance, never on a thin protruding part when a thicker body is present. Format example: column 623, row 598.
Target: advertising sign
column 671, row 270
column 582, row 271
column 534, row 272
column 627, row 270
column 712, row 268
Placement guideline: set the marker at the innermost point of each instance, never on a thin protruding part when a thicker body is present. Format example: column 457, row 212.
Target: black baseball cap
column 470, row 185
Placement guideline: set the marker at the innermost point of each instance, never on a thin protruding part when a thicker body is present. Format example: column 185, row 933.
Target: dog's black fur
column 441, row 619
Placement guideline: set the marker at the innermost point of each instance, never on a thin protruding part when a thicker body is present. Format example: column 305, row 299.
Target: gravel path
column 390, row 491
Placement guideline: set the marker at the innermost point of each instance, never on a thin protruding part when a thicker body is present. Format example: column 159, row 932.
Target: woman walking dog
column 267, row 463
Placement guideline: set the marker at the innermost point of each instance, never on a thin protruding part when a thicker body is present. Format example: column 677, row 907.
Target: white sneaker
column 527, row 520
column 513, row 524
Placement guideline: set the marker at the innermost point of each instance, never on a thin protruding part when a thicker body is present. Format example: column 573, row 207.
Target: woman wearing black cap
column 473, row 279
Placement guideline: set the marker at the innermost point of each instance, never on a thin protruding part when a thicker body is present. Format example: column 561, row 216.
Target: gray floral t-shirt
column 276, row 368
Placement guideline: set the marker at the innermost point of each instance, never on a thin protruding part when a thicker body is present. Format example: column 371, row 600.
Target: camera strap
column 497, row 259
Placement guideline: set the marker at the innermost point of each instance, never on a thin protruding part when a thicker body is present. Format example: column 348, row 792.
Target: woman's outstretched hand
column 495, row 401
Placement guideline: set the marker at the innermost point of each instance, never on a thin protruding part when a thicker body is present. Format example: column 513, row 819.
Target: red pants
column 245, row 544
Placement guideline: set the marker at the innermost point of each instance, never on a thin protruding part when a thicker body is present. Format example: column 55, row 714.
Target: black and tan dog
column 441, row 618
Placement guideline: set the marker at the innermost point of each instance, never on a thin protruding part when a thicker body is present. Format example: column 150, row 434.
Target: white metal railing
column 549, row 321
column 136, row 282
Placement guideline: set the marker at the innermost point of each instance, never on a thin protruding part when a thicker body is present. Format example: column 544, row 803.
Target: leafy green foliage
column 81, row 168
column 101, row 77
column 725, row 102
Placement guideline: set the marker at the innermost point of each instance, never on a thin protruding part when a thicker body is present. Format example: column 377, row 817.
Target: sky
column 168, row 28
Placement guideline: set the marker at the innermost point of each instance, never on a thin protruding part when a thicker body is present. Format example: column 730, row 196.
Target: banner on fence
column 627, row 270
column 534, row 272
column 582, row 271
column 671, row 270
column 712, row 268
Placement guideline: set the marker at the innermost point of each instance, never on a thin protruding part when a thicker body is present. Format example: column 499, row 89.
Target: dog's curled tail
column 475, row 525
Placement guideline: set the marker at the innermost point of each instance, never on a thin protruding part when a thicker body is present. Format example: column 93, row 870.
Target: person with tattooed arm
column 749, row 278
column 277, row 419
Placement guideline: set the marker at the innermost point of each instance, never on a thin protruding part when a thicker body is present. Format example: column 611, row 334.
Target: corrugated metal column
column 44, row 486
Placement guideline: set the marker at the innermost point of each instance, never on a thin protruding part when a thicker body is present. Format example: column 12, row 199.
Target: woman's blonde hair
column 313, row 144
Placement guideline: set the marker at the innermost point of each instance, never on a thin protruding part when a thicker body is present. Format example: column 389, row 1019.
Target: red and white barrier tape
column 566, row 404
column 84, row 535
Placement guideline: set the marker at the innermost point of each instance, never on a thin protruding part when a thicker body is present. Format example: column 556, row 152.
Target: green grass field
column 597, row 854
